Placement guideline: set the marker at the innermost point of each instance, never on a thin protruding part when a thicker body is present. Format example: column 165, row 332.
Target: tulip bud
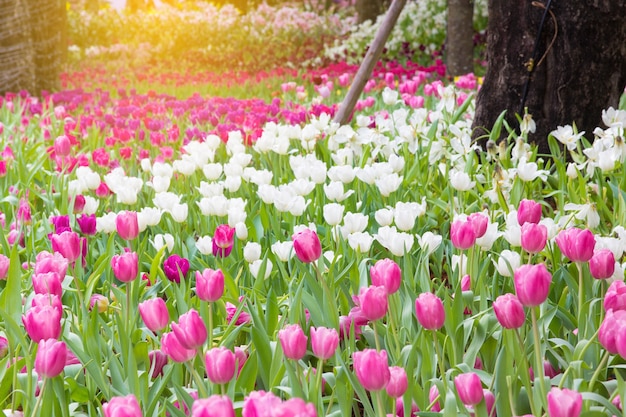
column 240, row 358
column 564, row 403
column 398, row 382
column 125, row 266
column 4, row 347
column 127, row 225
column 293, row 341
column 532, row 284
column 154, row 314
column 576, row 244
column 223, row 240
column 210, row 284
column 190, row 330
column 51, row 262
column 172, row 347
column 100, row 302
column 48, row 283
column 122, row 407
column 615, row 297
column 307, row 245
column 373, row 302
column 529, row 211
column 214, row 406
column 324, row 342
column 462, row 234
column 42, row 322
column 174, row 267
column 67, row 244
column 479, row 223
column 372, row 369
column 433, row 395
column 602, row 264
column 87, row 224
column 534, row 237
column 4, row 266
column 509, row 311
column 469, row 388
column 158, row 360
column 220, row 365
column 387, row 273
column 51, row 357
column 429, row 311
column 62, row 146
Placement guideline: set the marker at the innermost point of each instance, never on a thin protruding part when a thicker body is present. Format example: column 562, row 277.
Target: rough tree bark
column 583, row 72
column 17, row 70
column 460, row 37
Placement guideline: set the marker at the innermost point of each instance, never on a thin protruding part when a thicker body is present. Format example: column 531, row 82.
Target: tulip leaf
column 11, row 297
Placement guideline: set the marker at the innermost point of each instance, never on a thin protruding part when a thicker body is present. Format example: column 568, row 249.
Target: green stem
column 599, row 369
column 526, row 367
column 439, row 356
column 40, row 397
column 379, row 405
column 199, row 381
column 318, row 385
column 538, row 357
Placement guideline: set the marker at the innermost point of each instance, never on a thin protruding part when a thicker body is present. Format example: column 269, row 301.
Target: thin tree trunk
column 460, row 37
column 575, row 77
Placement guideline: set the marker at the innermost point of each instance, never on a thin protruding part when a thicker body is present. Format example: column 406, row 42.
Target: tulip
column 4, row 266
column 61, row 223
column 4, row 347
column 42, row 322
column 372, row 369
column 469, row 388
column 479, row 223
column 387, row 273
column 51, row 357
column 324, row 342
column 49, row 300
column 220, row 365
column 293, row 341
column 154, row 314
column 462, row 234
column 615, row 297
column 564, row 403
column 51, row 262
column 122, row 407
column 172, row 347
column 223, row 240
column 125, row 266
column 240, row 358
column 373, row 302
column 433, row 395
column 67, row 244
column 48, row 283
column 158, row 360
column 576, row 244
column 242, row 318
column 127, row 225
column 210, row 284
column 398, row 382
column 400, row 408
column 534, row 237
column 490, row 401
column 174, row 267
column 307, row 245
column 87, row 224
column 296, row 407
column 214, row 406
column 260, row 404
column 190, row 330
column 614, row 323
column 345, row 324
column 429, row 311
column 509, row 311
column 100, row 302
column 62, row 146
column 602, row 264
column 529, row 211
column 532, row 284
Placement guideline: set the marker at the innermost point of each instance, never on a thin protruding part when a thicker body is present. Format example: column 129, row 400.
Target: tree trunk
column 17, row 69
column 460, row 37
column 582, row 73
column 370, row 9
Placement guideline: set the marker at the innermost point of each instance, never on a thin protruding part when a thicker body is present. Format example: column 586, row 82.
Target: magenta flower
column 509, row 311
column 190, row 330
column 42, row 322
column 462, row 234
column 220, row 365
column 51, row 357
column 564, row 403
column 373, row 302
column 529, row 211
column 615, row 297
column 154, row 314
column 398, row 382
column 307, row 245
column 214, row 406
column 87, row 224
column 293, row 341
column 532, row 284
column 175, row 267
column 127, row 225
column 223, row 240
column 324, row 342
column 469, row 388
column 210, row 284
column 67, row 244
column 576, row 244
column 534, row 237
column 125, row 266
column 602, row 264
column 372, row 369
column 171, row 346
column 429, row 311
column 387, row 273
column 127, row 406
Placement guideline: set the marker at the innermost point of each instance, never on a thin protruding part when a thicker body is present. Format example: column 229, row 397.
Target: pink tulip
column 529, row 211
column 240, row 358
column 372, row 369
column 190, row 330
column 87, row 224
column 127, row 225
column 125, row 266
column 564, row 403
column 127, row 406
column 429, row 311
column 614, row 323
column 62, row 146
column 100, row 302
column 479, row 222
column 532, row 284
column 214, row 406
column 293, row 341
column 469, row 388
column 158, row 360
column 324, row 342
column 373, row 302
column 223, row 240
column 171, row 346
column 307, row 245
column 615, row 297
column 48, row 283
column 4, row 266
column 4, row 346
column 398, row 382
column 509, row 311
column 50, row 300
column 576, row 244
column 462, row 234
column 210, row 284
column 174, row 267
column 490, row 401
column 260, row 404
column 433, row 394
column 61, row 223
column 602, row 264
column 220, row 365
column 51, row 262
column 154, row 314
column 67, row 244
column 400, row 408
column 42, row 322
column 534, row 237
column 51, row 357
column 386, row 273
column 296, row 407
